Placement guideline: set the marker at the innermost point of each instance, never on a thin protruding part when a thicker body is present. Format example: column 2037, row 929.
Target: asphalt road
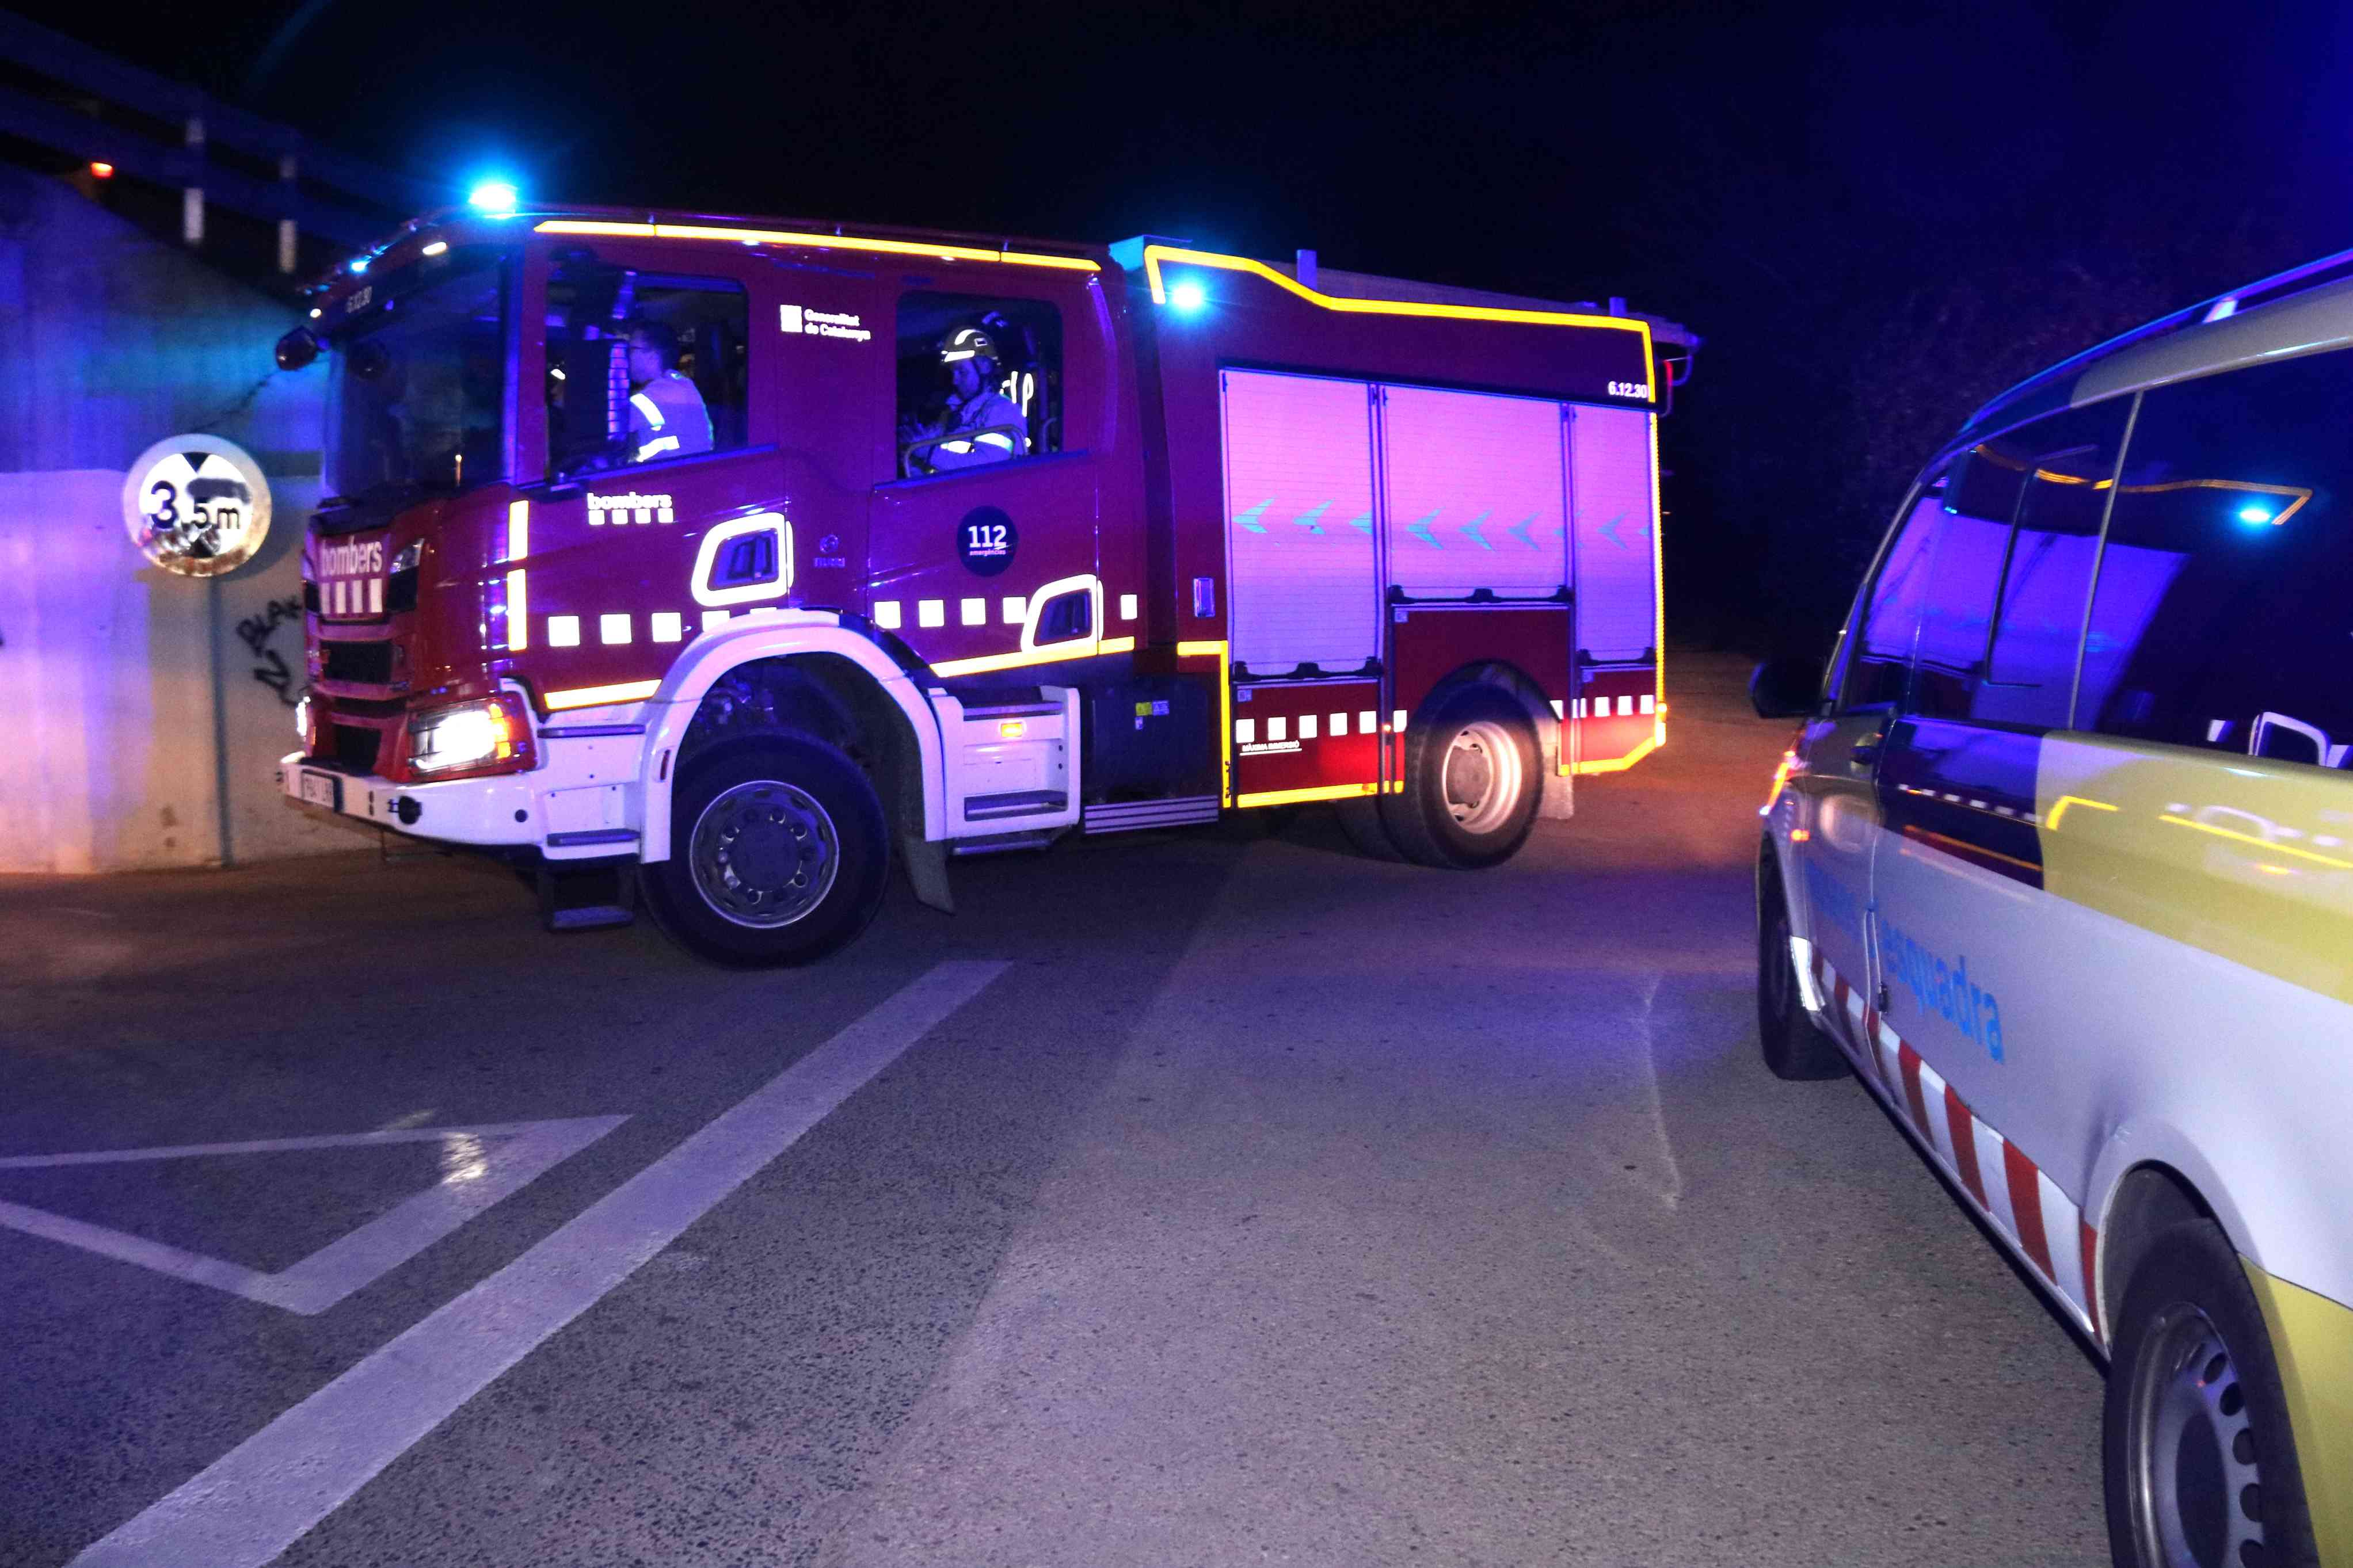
column 1206, row 1198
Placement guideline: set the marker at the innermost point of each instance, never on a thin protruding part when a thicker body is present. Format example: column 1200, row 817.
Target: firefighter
column 667, row 417
column 981, row 424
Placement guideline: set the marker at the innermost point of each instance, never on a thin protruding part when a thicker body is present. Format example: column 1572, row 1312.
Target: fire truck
column 728, row 563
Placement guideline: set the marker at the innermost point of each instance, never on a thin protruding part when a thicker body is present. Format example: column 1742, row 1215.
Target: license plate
column 322, row 789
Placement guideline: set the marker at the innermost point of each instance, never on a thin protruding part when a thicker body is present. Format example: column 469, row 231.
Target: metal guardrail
column 202, row 121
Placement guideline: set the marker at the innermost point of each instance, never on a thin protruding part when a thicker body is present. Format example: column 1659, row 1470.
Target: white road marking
column 259, row 1498
column 475, row 1176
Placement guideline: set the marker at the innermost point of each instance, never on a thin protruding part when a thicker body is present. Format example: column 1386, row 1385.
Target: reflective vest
column 998, row 432
column 667, row 419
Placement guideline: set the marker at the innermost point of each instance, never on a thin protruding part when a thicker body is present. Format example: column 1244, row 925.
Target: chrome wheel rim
column 2196, row 1478
column 1481, row 776
column 763, row 854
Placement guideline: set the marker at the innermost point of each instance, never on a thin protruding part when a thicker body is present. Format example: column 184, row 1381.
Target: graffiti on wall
column 258, row 632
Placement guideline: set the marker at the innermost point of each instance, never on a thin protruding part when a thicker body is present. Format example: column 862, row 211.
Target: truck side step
column 1017, row 802
column 589, row 898
column 1132, row 816
column 999, row 843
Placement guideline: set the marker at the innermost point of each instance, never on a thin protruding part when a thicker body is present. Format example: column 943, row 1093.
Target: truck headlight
column 302, row 717
column 492, row 735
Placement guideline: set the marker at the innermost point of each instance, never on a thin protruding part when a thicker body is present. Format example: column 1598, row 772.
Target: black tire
column 794, row 859
column 1360, row 820
column 1795, row 1046
column 2201, row 1461
column 1448, row 815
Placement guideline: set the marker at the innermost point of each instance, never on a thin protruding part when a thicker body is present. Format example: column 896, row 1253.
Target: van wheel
column 2201, row 1466
column 1471, row 784
column 1795, row 1045
column 779, row 852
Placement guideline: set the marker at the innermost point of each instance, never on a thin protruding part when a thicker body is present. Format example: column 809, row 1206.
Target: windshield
column 417, row 390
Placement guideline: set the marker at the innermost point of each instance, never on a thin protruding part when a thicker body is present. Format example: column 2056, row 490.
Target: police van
column 2061, row 865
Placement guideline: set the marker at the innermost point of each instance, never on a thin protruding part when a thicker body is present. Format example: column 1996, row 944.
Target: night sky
column 1877, row 216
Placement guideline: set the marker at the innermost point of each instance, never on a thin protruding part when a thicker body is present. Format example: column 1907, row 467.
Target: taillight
column 464, row 739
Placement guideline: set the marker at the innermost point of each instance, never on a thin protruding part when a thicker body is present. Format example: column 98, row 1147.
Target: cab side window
column 979, row 382
column 643, row 367
column 1886, row 620
column 2224, row 615
column 2011, row 574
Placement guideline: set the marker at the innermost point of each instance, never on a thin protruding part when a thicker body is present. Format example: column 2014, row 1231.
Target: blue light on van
column 2254, row 514
column 1189, row 296
column 497, row 197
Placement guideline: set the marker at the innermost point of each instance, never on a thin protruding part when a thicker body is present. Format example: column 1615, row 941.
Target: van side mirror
column 1786, row 687
column 296, row 349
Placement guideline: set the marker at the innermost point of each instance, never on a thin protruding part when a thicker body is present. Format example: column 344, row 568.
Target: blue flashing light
column 495, row 196
column 1189, row 296
column 2254, row 514
column 359, row 264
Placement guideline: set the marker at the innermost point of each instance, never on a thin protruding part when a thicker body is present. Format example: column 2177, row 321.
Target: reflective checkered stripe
column 2025, row 1204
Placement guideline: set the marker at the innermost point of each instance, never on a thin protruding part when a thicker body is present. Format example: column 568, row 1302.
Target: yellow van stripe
column 2312, row 1340
column 2236, row 855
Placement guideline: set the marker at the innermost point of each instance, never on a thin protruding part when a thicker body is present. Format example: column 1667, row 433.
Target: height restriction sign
column 196, row 505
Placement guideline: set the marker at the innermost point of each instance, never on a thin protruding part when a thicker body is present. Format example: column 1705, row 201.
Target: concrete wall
column 141, row 713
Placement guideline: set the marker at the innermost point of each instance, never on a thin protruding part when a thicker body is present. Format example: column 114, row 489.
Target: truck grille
column 356, row 748
column 366, row 663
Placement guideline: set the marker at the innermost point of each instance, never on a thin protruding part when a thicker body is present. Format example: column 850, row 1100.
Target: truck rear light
column 467, row 739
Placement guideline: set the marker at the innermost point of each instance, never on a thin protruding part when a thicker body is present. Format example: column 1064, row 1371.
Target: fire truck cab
column 747, row 559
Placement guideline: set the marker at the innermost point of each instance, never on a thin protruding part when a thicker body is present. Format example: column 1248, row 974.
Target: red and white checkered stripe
column 2024, row 1204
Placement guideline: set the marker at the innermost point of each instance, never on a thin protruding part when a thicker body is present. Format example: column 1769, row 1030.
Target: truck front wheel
column 1471, row 784
column 779, row 854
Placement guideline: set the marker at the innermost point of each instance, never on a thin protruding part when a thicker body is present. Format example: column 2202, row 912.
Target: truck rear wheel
column 779, row 854
column 1471, row 784
column 1361, row 821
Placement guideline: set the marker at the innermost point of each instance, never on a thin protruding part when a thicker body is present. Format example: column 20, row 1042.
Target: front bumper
column 579, row 804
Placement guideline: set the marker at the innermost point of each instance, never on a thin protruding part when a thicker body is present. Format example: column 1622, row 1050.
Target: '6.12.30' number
column 1629, row 389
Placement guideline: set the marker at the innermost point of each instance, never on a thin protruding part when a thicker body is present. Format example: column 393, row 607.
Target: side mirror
column 296, row 349
column 1786, row 687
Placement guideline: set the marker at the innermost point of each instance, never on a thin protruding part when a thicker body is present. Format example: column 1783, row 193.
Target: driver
column 981, row 423
column 667, row 417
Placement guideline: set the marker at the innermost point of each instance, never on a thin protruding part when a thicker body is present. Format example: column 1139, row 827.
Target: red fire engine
column 733, row 560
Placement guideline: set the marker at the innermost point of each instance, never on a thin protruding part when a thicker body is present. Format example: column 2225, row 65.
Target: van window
column 2224, row 615
column 980, row 381
column 2012, row 571
column 1887, row 620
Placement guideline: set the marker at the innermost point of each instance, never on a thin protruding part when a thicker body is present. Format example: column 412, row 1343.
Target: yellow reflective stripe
column 816, row 241
column 1321, row 792
column 997, row 439
column 1657, row 737
column 1053, row 653
column 647, row 407
column 596, row 696
column 659, row 444
column 1155, row 254
column 1223, row 654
